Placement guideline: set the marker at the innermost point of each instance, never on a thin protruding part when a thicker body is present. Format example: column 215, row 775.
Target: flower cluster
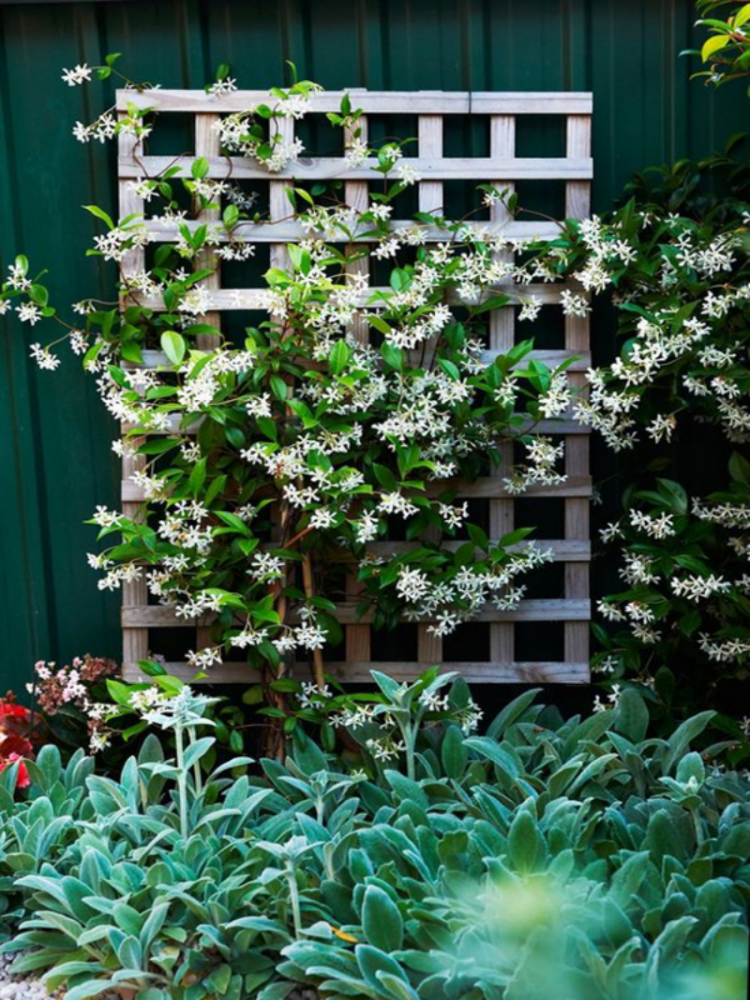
column 687, row 573
column 682, row 288
column 16, row 732
column 673, row 264
column 246, row 135
column 78, row 686
column 388, row 726
column 168, row 709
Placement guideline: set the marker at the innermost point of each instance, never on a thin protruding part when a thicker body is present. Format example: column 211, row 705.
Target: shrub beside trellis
column 503, row 168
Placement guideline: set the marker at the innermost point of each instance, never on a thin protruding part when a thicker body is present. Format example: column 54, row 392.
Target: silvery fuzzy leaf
column 682, row 737
column 526, row 845
column 309, row 758
column 405, row 789
column 382, row 923
column 230, row 765
column 510, row 714
column 196, row 750
column 397, row 987
column 321, row 929
column 387, row 685
column 90, row 989
column 373, row 961
column 276, row 991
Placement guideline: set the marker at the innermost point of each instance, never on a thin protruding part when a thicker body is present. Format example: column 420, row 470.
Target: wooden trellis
column 502, row 168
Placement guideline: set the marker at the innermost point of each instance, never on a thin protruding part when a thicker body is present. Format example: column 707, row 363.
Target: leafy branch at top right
column 726, row 52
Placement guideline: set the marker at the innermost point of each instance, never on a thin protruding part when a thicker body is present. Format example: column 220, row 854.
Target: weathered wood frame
column 501, row 167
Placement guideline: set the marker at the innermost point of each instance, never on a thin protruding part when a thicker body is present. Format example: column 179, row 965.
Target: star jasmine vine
column 272, row 467
column 674, row 263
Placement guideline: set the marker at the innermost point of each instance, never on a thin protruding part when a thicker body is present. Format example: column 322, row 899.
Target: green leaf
column 397, row 987
column 631, row 716
column 453, row 754
column 450, row 369
column 339, row 357
column 627, row 880
column 279, row 388
column 174, row 346
column 674, row 494
column 496, row 302
column 197, row 477
column 119, row 692
column 100, row 214
column 385, row 477
column 230, row 216
column 220, row 978
column 197, row 750
column 683, row 736
column 713, row 45
column 393, row 356
column 691, row 767
column 372, row 961
column 406, row 790
column 378, row 323
column 663, row 837
column 387, row 685
column 739, row 467
column 93, row 988
column 525, row 842
column 200, row 168
column 381, row 920
column 493, row 751
column 515, row 710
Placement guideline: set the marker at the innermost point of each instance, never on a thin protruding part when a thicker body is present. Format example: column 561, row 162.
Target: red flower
column 23, row 780
column 13, row 709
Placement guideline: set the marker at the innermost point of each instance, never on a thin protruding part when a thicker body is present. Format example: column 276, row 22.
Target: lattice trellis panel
column 503, row 168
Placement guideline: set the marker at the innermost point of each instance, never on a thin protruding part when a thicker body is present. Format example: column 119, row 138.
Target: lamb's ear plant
column 578, row 851
column 40, row 826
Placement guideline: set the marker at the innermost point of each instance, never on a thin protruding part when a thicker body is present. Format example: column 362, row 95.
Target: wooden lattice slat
column 577, row 521
column 357, row 645
column 373, row 102
column 431, row 200
column 328, row 168
column 503, row 169
column 207, row 143
column 135, row 643
column 502, row 338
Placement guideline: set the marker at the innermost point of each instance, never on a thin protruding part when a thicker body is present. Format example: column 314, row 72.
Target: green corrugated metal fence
column 55, row 462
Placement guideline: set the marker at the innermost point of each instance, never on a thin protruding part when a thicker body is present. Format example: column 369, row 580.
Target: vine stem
column 309, row 585
column 291, row 877
column 697, row 826
column 181, row 781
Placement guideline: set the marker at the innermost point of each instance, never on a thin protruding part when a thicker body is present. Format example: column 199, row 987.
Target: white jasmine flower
column 226, row 86
column 80, row 74
column 46, row 360
column 29, row 313
column 407, row 174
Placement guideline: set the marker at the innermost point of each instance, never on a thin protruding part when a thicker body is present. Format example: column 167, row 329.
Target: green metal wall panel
column 54, row 440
